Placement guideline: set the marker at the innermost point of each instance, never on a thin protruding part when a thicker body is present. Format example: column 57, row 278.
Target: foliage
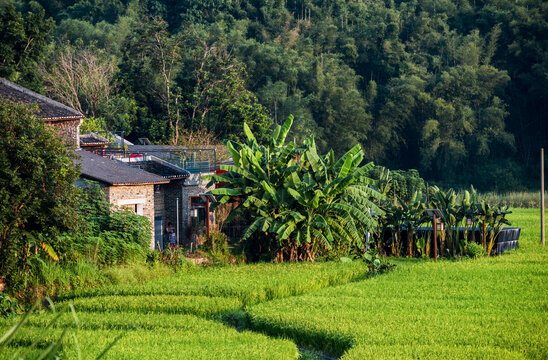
column 216, row 243
column 376, row 263
column 37, row 195
column 407, row 216
column 174, row 257
column 22, row 44
column 393, row 316
column 438, row 88
column 276, row 281
column 475, row 250
column 299, row 203
column 8, row 305
column 110, row 236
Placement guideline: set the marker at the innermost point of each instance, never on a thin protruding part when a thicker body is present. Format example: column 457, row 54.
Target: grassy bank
column 156, row 308
column 485, row 308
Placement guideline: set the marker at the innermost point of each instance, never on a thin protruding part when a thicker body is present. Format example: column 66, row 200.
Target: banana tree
column 298, row 200
column 469, row 210
column 495, row 219
column 452, row 215
column 413, row 216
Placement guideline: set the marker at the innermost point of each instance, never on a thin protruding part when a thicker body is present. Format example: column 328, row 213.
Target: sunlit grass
column 486, row 308
column 158, row 336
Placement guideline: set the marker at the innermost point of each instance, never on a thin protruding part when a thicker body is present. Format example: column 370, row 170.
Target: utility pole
column 542, row 196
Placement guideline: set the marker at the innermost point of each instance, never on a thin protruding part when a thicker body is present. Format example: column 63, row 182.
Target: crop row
column 153, row 337
column 485, row 308
column 250, row 283
column 204, row 306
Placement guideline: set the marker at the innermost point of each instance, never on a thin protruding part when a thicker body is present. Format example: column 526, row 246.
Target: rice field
column 487, row 308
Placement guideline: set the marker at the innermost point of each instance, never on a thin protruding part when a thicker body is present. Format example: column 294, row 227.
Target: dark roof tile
column 113, row 172
column 48, row 109
column 92, row 139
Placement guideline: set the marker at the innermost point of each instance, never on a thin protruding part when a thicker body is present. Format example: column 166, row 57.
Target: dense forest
column 455, row 89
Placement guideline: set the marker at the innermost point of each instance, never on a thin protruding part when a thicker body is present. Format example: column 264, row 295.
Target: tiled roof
column 92, row 139
column 160, row 167
column 113, row 172
column 48, row 109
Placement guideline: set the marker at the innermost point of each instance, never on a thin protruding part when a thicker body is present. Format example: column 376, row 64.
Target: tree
column 22, row 43
column 81, row 77
column 216, row 94
column 37, row 195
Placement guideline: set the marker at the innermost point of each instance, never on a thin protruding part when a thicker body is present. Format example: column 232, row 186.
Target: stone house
column 148, row 185
column 125, row 186
column 64, row 119
column 169, row 198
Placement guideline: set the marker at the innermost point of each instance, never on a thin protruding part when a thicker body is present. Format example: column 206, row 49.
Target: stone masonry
column 141, row 196
column 67, row 129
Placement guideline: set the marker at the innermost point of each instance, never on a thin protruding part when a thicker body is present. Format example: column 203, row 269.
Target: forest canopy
column 455, row 89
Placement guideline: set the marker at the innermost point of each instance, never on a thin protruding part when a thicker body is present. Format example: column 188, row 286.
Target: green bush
column 109, row 236
column 475, row 250
column 301, row 203
column 216, row 243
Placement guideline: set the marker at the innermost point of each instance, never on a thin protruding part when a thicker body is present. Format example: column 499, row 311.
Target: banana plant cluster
column 455, row 209
column 299, row 203
column 399, row 217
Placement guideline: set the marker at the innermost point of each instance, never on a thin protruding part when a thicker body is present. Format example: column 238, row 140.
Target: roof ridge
column 42, row 98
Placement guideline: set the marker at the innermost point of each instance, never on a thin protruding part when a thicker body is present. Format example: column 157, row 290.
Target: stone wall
column 192, row 188
column 140, row 197
column 67, row 129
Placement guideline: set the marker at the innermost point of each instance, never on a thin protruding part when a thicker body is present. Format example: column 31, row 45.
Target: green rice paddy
column 488, row 308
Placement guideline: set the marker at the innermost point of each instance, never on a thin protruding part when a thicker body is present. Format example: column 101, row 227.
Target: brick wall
column 68, row 129
column 129, row 195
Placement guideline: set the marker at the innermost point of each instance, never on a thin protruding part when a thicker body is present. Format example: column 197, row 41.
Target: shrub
column 37, row 195
column 475, row 250
column 109, row 236
column 216, row 243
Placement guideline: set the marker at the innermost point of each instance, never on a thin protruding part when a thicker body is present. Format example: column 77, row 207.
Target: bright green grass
column 492, row 308
column 485, row 308
column 250, row 283
column 156, row 307
column 164, row 336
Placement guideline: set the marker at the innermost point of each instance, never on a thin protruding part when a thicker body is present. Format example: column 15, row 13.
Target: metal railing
column 193, row 160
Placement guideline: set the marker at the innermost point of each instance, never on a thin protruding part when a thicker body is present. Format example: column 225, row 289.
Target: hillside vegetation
column 439, row 86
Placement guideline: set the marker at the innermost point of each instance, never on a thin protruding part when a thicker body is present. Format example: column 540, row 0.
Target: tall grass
column 53, row 279
column 477, row 308
column 154, row 337
column 514, row 199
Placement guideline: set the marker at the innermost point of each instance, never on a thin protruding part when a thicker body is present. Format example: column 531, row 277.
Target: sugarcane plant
column 299, row 203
